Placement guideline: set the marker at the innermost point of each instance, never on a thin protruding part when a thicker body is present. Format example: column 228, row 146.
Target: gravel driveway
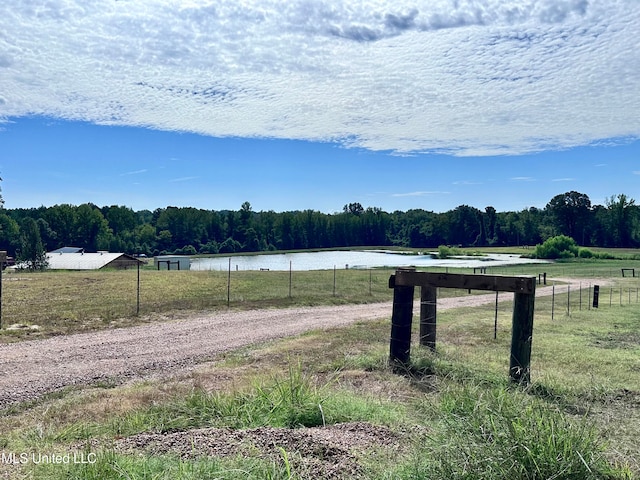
column 33, row 368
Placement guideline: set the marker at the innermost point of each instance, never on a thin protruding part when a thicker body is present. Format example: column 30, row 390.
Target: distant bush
column 186, row 250
column 559, row 246
column 585, row 253
column 445, row 252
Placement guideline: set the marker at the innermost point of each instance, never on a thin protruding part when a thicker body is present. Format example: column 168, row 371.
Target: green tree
column 570, row 212
column 31, row 253
column 62, row 220
column 622, row 212
column 490, row 225
column 122, row 220
column 9, row 234
column 91, row 228
column 353, row 208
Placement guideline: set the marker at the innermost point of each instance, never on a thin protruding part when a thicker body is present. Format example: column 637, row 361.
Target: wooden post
column 334, row 280
column 522, row 333
column 401, row 317
column 428, row 299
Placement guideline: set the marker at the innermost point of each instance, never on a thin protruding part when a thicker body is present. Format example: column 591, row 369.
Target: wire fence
column 85, row 299
column 566, row 301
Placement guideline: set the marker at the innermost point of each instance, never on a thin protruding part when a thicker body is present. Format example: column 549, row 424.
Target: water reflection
column 326, row 260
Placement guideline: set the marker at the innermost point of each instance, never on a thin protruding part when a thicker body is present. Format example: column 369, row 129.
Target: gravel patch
column 330, row 452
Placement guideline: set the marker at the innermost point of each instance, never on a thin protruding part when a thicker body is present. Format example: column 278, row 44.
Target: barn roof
column 68, row 250
column 85, row 261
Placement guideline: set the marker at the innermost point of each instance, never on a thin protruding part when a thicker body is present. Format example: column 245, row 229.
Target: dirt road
column 30, row 369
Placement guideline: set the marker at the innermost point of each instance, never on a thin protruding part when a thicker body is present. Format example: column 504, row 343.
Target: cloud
column 419, row 194
column 183, row 179
column 522, row 179
column 135, row 172
column 563, row 179
column 463, row 77
column 466, row 182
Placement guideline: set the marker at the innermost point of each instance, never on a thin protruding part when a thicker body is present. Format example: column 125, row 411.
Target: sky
column 313, row 104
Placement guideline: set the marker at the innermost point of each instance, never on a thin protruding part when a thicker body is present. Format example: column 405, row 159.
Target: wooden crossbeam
column 494, row 283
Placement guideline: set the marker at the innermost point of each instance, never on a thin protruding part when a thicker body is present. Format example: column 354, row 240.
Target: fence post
column 401, row 317
column 522, row 334
column 610, row 296
column 580, row 296
column 3, row 259
column 495, row 320
column 428, row 300
column 138, row 293
column 229, row 284
column 334, row 280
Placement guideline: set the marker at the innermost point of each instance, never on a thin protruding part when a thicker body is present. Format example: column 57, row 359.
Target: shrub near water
column 560, row 246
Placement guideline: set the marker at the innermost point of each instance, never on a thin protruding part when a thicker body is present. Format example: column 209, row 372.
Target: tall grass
column 503, row 434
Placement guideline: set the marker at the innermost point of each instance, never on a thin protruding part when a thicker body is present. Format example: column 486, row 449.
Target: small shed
column 172, row 262
column 91, row 261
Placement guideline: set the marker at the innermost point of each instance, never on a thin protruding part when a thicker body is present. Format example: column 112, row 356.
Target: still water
column 328, row 260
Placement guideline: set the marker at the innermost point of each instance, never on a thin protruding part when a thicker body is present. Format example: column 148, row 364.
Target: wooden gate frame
column 404, row 282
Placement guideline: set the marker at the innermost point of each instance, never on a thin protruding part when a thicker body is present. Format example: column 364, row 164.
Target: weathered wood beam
column 495, row 283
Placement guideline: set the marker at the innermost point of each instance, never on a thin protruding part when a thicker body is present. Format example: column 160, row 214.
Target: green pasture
column 41, row 304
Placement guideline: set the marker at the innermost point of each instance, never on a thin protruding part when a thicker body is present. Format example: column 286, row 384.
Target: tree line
column 187, row 230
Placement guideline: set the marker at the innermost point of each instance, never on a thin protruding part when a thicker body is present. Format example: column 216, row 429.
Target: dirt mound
column 329, row 452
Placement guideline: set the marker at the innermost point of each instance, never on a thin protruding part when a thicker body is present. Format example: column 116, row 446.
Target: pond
column 362, row 259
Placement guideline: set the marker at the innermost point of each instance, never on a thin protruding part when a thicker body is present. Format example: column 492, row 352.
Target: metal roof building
column 68, row 250
column 90, row 261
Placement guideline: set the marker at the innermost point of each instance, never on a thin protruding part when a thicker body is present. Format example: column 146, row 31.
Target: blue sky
column 305, row 104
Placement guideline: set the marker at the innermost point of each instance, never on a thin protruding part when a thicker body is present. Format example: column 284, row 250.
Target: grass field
column 455, row 412
column 65, row 302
